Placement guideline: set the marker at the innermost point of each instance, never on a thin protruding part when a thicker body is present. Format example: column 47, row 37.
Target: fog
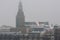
column 34, row 10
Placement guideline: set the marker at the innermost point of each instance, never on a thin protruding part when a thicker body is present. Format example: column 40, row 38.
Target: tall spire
column 20, row 5
column 20, row 18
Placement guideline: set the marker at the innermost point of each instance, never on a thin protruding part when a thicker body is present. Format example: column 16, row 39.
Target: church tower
column 20, row 18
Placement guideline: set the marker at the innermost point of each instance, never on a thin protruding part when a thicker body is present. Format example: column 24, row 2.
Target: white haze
column 34, row 10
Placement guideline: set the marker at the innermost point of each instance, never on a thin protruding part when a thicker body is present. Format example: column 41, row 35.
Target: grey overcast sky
column 34, row 10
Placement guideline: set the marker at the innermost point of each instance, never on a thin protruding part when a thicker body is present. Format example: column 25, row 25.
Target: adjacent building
column 33, row 27
column 45, row 25
column 48, row 35
column 57, row 32
column 5, row 28
column 28, row 26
